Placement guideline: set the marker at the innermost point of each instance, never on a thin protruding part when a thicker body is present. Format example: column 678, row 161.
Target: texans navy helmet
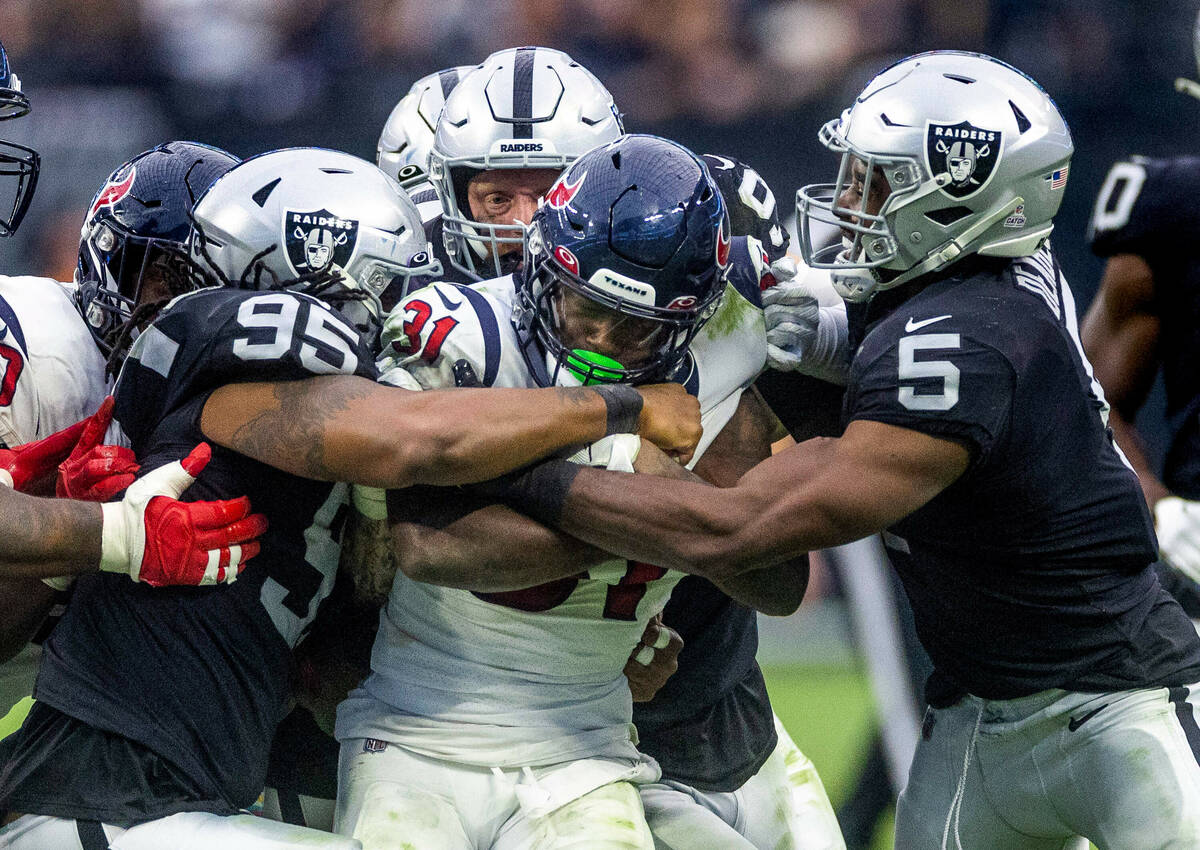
column 638, row 228
column 133, row 246
column 19, row 165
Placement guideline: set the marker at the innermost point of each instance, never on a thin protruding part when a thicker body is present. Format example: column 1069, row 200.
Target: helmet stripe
column 449, row 79
column 523, row 93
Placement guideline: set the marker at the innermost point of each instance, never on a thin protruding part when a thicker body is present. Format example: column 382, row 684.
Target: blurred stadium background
column 750, row 78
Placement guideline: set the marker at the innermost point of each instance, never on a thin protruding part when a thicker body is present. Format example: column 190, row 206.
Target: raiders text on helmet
column 312, row 220
column 974, row 155
column 403, row 149
column 527, row 107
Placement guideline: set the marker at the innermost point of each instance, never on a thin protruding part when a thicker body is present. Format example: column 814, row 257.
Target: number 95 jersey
column 1031, row 570
column 200, row 676
column 529, row 677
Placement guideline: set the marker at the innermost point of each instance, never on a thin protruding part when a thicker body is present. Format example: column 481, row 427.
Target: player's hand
column 161, row 541
column 94, row 472
column 28, row 463
column 804, row 336
column 1177, row 524
column 654, row 660
column 670, row 419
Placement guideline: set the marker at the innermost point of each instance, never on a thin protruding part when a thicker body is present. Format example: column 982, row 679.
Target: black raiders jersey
column 1148, row 207
column 1031, row 571
column 197, row 678
column 711, row 725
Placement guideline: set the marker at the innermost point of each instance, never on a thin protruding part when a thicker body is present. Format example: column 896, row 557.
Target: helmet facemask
column 19, row 165
column 124, row 280
column 559, row 307
column 872, row 245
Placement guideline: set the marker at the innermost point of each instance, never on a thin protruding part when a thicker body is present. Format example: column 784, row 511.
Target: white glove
column 805, row 336
column 1177, row 523
column 616, row 452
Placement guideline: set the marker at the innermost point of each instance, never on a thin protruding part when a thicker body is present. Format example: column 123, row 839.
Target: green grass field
column 828, row 713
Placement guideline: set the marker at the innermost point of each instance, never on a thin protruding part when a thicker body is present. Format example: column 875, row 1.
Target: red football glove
column 25, row 464
column 92, row 472
column 160, row 541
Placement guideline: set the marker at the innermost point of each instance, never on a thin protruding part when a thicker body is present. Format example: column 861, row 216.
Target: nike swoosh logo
column 450, row 305
column 912, row 326
column 1076, row 722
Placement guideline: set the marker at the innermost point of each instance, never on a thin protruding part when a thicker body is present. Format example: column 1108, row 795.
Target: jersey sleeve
column 211, row 338
column 431, row 332
column 942, row 383
column 1143, row 205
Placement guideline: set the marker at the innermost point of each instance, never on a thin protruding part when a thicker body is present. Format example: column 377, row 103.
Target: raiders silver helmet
column 526, row 107
column 311, row 220
column 403, row 149
column 974, row 155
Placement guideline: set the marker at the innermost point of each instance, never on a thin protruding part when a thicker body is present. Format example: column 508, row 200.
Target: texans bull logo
column 318, row 240
column 113, row 191
column 969, row 154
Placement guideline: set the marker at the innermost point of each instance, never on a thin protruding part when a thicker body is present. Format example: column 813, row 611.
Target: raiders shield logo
column 967, row 153
column 318, row 240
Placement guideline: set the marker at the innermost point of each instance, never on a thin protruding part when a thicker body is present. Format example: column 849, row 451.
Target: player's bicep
column 1120, row 331
column 743, row 442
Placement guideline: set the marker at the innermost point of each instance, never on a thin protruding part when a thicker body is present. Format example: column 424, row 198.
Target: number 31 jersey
column 530, row 677
column 1031, row 571
column 200, row 676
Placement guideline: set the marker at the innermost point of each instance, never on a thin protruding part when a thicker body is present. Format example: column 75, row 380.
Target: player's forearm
column 346, row 428
column 43, row 538
column 492, row 549
column 776, row 591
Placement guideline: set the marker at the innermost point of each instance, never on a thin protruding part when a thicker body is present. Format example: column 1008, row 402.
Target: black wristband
column 538, row 491
column 624, row 405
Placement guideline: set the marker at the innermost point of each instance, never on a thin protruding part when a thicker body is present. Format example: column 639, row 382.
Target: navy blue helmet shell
column 139, row 223
column 639, row 226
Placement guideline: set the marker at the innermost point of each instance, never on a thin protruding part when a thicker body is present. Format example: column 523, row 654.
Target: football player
column 54, row 374
column 497, row 671
column 505, row 134
column 403, row 148
column 164, row 705
column 1063, row 698
column 1144, row 319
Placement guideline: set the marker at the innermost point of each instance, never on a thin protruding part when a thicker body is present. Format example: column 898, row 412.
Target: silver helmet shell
column 403, row 148
column 280, row 219
column 975, row 157
column 526, row 107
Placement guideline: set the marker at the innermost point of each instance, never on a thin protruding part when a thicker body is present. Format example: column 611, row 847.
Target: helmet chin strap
column 950, row 251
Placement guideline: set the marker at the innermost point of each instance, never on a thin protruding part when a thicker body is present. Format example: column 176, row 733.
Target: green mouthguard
column 580, row 363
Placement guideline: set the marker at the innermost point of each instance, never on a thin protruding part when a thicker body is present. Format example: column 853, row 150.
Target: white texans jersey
column 530, row 677
column 52, row 376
